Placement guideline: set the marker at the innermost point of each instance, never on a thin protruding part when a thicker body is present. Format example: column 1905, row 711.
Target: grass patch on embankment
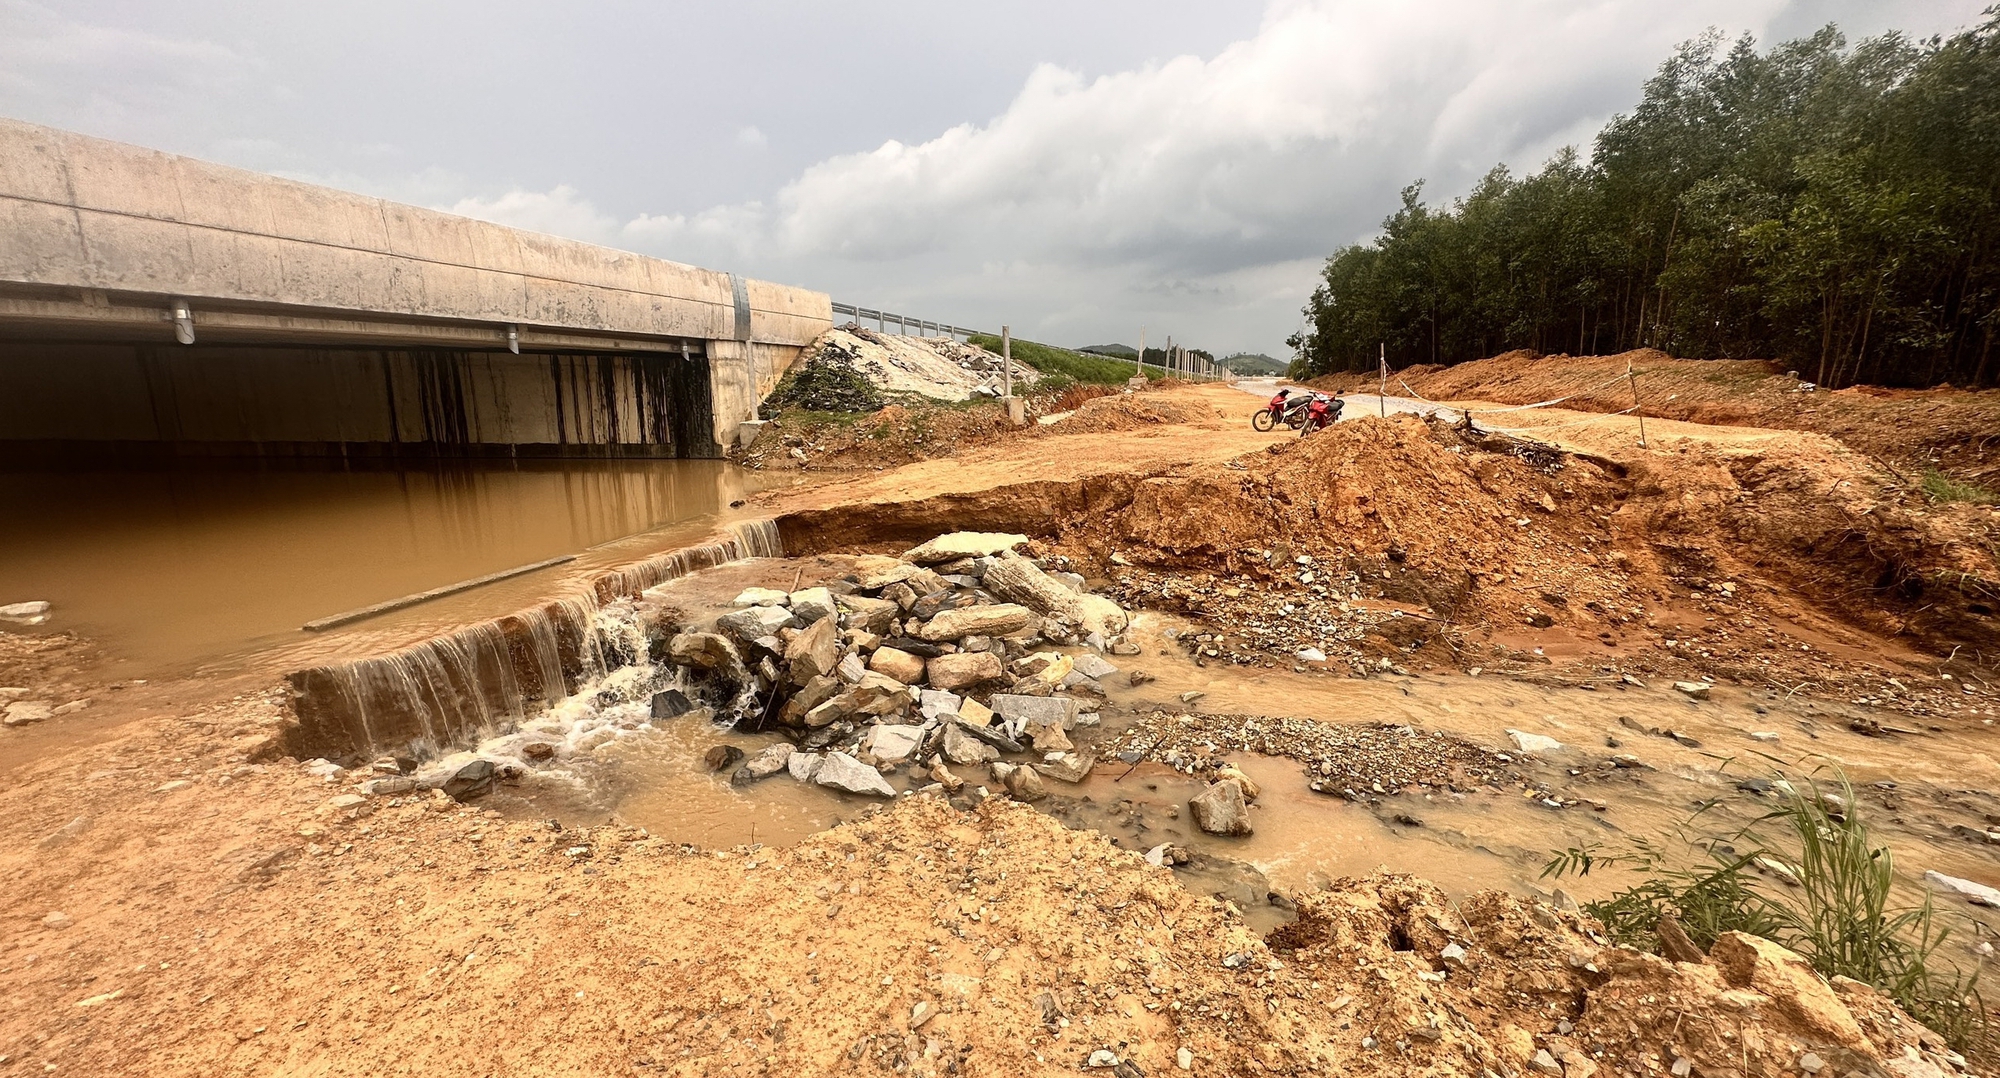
column 1940, row 487
column 1090, row 370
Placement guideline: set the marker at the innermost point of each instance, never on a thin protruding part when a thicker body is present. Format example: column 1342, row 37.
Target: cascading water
column 489, row 678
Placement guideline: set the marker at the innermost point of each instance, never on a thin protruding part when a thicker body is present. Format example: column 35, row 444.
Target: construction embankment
column 192, row 897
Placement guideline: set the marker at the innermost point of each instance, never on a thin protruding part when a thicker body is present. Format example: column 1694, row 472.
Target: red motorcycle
column 1321, row 411
column 1283, row 408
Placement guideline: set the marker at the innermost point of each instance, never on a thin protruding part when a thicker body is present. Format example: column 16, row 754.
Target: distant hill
column 1122, row 351
column 1254, row 363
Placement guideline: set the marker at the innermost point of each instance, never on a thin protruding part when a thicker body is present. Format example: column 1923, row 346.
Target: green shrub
column 1057, row 361
column 826, row 383
column 1835, row 912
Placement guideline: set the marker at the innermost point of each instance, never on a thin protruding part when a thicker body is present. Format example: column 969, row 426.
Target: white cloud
column 1199, row 193
column 752, row 138
column 51, row 63
column 560, row 211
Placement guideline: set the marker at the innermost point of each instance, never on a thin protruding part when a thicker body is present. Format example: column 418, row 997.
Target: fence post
column 1382, row 396
column 1633, row 379
column 1006, row 361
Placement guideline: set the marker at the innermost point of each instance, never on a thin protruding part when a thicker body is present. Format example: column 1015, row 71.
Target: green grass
column 1838, row 915
column 1939, row 487
column 1075, row 366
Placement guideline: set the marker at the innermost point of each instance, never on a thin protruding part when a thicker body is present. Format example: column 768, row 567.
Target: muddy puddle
column 216, row 565
column 1682, row 757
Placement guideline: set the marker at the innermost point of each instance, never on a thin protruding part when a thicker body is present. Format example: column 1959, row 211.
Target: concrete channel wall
column 99, row 240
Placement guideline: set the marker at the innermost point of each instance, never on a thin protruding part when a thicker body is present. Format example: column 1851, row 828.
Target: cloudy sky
column 1077, row 169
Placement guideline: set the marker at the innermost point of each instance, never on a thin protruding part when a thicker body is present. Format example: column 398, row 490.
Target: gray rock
column 814, row 652
column 1695, row 690
column 998, row 619
column 1527, row 742
column 1046, row 735
column 812, row 604
column 960, row 747
column 721, row 757
column 958, row 545
column 1067, row 766
column 963, row 670
column 752, row 622
column 804, row 766
column 23, row 712
column 991, row 736
column 769, row 760
column 57, row 920
column 1028, row 709
column 704, row 651
column 933, row 703
column 1221, row 810
column 810, row 695
column 474, row 780
column 851, row 669
column 843, row 772
column 874, row 615
column 1976, row 893
column 671, row 704
column 1018, row 580
column 759, row 597
column 390, row 787
column 1094, row 667
column 891, row 743
column 1025, row 784
column 1310, row 655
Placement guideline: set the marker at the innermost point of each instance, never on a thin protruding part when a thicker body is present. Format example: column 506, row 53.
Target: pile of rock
column 938, row 367
column 948, row 655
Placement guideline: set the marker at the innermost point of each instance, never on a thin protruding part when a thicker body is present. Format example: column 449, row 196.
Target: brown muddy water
column 217, row 565
column 1914, row 788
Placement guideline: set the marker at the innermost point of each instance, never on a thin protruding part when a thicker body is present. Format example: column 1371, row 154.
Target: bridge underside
column 96, row 399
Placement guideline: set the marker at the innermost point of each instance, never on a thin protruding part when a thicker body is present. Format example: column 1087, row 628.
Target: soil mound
column 1106, row 414
column 1417, row 505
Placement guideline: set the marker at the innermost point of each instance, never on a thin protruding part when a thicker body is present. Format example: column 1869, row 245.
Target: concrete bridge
column 151, row 303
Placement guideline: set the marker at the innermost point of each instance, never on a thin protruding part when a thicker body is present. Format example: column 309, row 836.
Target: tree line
column 1832, row 207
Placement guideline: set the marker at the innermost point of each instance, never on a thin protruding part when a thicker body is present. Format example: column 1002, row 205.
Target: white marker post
column 1382, row 396
column 1017, row 410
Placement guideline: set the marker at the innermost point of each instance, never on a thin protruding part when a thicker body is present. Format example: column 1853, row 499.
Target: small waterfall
column 488, row 678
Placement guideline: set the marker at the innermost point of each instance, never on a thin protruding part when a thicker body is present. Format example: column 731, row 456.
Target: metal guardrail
column 904, row 322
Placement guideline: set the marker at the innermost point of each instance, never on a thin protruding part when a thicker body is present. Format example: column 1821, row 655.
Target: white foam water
column 486, row 680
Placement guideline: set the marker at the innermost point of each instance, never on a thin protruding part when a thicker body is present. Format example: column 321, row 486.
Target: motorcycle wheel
column 1296, row 419
column 1262, row 420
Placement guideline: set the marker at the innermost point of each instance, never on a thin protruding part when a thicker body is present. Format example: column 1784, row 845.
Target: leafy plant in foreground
column 1832, row 903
